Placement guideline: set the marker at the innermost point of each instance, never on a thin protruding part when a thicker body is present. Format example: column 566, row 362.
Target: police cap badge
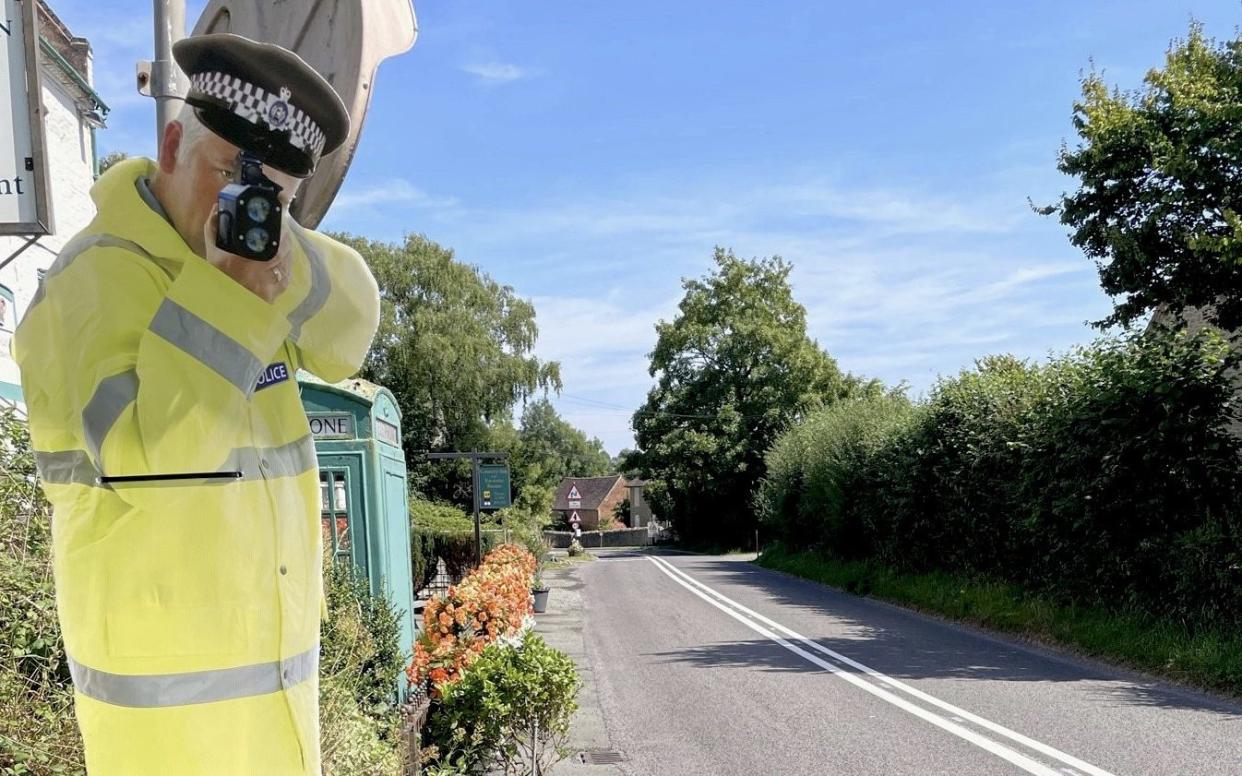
column 264, row 99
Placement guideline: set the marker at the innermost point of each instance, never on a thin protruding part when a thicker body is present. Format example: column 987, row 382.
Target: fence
column 653, row 533
column 443, row 579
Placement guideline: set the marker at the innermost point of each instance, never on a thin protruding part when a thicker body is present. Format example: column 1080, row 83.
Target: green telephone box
column 362, row 484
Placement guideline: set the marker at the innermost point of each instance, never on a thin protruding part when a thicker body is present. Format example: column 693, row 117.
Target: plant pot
column 541, row 599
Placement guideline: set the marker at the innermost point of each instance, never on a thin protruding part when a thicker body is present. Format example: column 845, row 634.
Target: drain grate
column 600, row 757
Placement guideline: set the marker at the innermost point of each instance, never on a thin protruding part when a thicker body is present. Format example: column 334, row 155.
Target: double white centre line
column 806, row 648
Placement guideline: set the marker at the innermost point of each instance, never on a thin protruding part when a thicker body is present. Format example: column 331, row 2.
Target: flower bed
column 492, row 603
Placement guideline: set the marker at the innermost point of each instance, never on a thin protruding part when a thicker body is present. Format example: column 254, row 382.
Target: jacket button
column 283, row 570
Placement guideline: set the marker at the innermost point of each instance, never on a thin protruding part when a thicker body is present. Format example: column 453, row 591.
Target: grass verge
column 1206, row 658
column 560, row 561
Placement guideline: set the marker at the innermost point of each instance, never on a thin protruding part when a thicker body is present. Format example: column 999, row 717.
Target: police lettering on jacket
column 275, row 373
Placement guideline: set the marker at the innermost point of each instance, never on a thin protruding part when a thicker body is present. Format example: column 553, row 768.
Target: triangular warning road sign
column 575, row 519
column 574, row 495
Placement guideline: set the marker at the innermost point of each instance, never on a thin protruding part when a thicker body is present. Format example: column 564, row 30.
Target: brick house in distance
column 594, row 499
column 597, row 500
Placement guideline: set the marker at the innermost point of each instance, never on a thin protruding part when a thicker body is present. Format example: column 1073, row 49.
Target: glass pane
column 326, row 525
column 341, row 498
column 342, row 533
column 323, row 492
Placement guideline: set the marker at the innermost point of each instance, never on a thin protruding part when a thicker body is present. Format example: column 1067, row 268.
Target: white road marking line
column 703, row 591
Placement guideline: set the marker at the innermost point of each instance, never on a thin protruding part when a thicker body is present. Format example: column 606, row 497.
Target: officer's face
column 198, row 175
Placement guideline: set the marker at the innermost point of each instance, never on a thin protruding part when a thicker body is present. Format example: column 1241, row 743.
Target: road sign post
column 494, row 486
column 475, row 458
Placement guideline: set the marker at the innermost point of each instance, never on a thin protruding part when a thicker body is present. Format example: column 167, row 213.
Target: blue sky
column 592, row 154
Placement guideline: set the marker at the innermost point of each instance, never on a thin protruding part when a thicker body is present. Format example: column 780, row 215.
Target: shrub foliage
column 511, row 709
column 1107, row 476
column 38, row 734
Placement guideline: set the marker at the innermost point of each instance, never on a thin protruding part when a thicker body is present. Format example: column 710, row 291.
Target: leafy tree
column 732, row 369
column 111, row 158
column 1160, row 173
column 625, row 462
column 550, row 448
column 454, row 347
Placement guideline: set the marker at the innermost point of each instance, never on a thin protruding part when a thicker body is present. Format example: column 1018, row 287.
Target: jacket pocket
column 146, row 631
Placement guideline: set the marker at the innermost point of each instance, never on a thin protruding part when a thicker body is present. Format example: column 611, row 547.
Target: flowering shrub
column 491, row 603
column 509, row 713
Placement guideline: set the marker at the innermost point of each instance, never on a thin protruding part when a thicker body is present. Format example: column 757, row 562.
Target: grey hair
column 192, row 131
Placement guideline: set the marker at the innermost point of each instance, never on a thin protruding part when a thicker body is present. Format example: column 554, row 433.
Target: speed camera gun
column 249, row 211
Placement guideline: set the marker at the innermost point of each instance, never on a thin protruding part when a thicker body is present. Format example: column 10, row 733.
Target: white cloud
column 900, row 282
column 699, row 212
column 497, row 72
column 389, row 192
column 601, row 343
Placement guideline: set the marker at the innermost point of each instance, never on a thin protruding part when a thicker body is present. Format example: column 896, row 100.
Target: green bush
column 353, row 742
column 361, row 637
column 360, row 663
column 433, row 516
column 511, row 710
column 1108, row 476
column 38, row 733
column 813, row 471
column 443, row 532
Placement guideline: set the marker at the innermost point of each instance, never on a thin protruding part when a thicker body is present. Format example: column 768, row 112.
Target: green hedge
column 510, row 712
column 1107, row 476
column 440, row 531
column 38, row 733
column 360, row 664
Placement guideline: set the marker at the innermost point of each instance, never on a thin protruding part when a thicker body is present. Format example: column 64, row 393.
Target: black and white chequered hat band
column 257, row 105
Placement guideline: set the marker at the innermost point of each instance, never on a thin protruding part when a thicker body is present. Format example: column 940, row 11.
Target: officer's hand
column 265, row 279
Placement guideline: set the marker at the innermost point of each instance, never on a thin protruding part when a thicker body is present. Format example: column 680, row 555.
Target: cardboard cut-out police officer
column 158, row 369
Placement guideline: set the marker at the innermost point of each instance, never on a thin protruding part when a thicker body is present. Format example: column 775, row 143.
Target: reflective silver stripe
column 321, row 287
column 284, row 461
column 222, row 684
column 70, row 467
column 299, row 668
column 67, row 467
column 78, row 245
column 112, row 396
column 212, row 347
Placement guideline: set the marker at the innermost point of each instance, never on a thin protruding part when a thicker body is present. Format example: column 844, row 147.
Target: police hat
column 264, row 99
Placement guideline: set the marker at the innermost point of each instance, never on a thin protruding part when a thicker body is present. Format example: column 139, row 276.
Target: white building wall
column 71, row 170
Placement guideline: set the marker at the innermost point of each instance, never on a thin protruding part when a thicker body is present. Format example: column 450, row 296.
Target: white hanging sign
column 25, row 206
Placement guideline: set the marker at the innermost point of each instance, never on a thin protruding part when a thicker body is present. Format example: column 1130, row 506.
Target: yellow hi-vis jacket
column 190, row 608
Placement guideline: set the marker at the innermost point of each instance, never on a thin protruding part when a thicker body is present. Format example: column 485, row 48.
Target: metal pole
column 29, row 242
column 165, row 76
column 478, row 536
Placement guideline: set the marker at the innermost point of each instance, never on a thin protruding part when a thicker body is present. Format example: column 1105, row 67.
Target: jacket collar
column 122, row 212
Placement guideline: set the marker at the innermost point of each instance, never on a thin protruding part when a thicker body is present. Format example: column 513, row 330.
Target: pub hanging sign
column 25, row 207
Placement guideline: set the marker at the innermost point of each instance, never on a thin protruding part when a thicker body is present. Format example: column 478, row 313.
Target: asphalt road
column 713, row 666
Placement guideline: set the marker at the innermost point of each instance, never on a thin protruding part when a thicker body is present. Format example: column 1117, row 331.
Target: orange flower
column 491, row 601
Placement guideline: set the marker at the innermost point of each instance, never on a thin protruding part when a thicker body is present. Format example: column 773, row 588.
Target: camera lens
column 257, row 239
column 258, row 208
